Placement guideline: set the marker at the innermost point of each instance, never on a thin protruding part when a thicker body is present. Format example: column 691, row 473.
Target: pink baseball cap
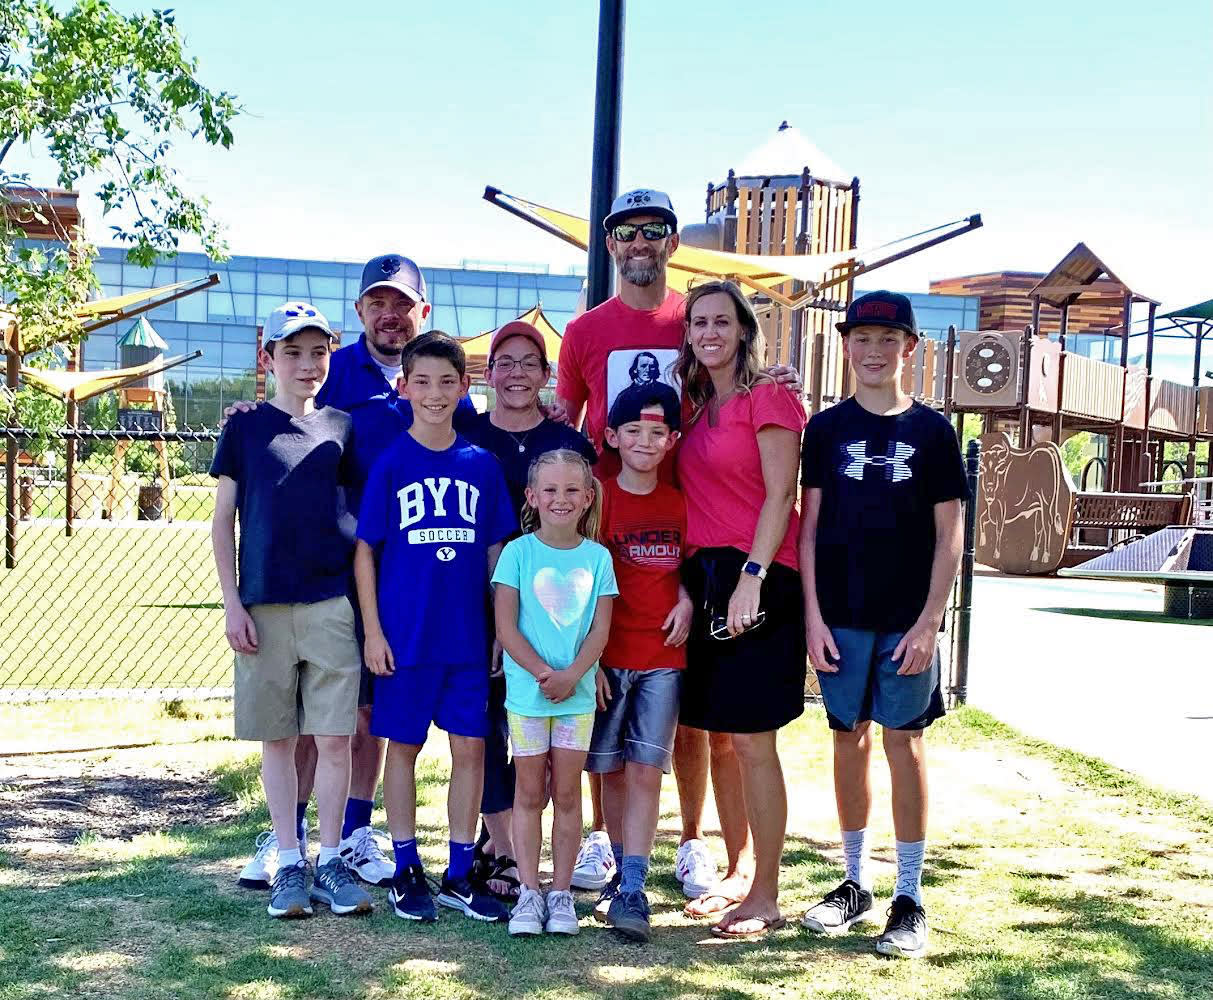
column 519, row 328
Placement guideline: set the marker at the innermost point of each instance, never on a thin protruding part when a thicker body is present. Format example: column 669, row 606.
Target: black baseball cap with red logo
column 891, row 309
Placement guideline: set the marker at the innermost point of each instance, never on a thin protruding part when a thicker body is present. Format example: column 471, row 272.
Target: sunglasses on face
column 528, row 365
column 625, row 232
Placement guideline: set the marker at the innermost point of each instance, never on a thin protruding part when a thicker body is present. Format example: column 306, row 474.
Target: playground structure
column 1032, row 393
column 138, row 382
column 787, row 237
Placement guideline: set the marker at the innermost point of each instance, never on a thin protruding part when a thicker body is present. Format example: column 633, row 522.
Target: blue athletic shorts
column 452, row 698
column 639, row 721
column 868, row 688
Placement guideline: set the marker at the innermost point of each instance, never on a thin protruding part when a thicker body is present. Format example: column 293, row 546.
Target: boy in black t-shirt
column 880, row 544
column 287, row 612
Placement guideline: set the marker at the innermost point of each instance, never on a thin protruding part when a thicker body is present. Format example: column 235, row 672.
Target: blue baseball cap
column 395, row 271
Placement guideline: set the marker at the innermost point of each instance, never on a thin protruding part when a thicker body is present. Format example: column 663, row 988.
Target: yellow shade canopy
column 77, row 387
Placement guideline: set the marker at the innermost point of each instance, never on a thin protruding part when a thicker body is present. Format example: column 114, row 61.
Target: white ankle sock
column 288, row 858
column 327, row 854
column 855, row 850
column 910, row 855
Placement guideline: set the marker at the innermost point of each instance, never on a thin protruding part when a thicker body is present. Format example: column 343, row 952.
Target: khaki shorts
column 303, row 679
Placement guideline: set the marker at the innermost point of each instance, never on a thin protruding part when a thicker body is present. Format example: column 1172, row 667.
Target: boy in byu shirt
column 433, row 518
column 880, row 543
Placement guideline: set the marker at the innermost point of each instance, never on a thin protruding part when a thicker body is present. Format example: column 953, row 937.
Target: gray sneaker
column 562, row 914
column 288, row 892
column 528, row 914
column 337, row 887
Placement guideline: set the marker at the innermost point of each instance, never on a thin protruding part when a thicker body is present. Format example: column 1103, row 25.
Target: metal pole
column 964, row 609
column 11, row 367
column 604, row 177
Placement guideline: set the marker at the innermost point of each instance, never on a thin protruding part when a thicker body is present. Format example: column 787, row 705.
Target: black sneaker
column 471, row 900
column 842, row 907
column 629, row 915
column 905, row 935
column 409, row 897
column 602, row 907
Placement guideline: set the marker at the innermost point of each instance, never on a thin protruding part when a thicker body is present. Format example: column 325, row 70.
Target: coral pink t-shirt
column 720, row 471
column 610, row 348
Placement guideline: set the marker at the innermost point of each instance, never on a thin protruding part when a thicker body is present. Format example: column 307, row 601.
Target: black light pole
column 604, row 177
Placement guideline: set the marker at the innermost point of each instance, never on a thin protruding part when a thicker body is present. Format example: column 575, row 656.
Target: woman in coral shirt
column 746, row 657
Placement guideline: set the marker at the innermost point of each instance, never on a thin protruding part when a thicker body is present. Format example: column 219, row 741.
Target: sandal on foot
column 763, row 927
column 726, row 902
column 499, row 869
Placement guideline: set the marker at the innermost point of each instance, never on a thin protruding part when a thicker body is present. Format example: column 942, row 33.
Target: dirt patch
column 57, row 798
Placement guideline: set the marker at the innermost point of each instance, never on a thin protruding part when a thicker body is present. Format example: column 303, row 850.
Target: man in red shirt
column 625, row 344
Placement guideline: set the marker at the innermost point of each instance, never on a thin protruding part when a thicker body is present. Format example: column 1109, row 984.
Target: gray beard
column 640, row 273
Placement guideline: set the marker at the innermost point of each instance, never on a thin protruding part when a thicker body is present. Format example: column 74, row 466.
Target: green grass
column 1048, row 876
column 122, row 604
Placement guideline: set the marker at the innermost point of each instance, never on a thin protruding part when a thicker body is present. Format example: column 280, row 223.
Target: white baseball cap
column 291, row 317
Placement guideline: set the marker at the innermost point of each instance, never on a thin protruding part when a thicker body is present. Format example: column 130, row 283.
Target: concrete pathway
column 1138, row 694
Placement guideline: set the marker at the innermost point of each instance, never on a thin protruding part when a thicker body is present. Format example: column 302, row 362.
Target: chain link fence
column 108, row 588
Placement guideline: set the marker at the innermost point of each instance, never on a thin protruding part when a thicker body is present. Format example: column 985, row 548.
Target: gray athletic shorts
column 639, row 721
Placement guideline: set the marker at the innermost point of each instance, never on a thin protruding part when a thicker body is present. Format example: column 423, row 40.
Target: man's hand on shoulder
column 555, row 411
column 787, row 377
column 240, row 406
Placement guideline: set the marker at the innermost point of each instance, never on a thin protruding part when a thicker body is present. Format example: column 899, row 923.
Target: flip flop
column 728, row 902
column 764, row 928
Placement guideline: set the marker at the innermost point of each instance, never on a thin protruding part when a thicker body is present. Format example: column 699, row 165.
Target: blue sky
column 377, row 126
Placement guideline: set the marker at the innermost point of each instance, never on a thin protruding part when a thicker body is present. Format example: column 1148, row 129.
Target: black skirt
column 754, row 682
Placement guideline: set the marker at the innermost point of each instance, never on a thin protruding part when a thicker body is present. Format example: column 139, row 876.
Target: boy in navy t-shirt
column 281, row 467
column 432, row 521
column 880, row 544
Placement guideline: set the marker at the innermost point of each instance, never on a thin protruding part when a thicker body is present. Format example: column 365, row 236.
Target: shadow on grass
column 1127, row 615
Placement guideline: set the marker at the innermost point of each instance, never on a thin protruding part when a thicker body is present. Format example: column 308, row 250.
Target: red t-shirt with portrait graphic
column 644, row 534
column 610, row 348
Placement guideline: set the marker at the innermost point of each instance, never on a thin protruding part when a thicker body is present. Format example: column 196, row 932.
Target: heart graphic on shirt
column 563, row 596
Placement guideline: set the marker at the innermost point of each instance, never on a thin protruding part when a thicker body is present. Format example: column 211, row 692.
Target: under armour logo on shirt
column 895, row 463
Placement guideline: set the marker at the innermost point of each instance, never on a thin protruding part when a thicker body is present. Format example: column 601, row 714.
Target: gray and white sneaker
column 336, row 887
column 363, row 852
column 905, row 935
column 529, row 913
column 289, row 894
column 842, row 907
column 562, row 914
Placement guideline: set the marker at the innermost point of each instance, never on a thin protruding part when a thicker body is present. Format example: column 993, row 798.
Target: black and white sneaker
column 409, row 897
column 602, row 907
column 471, row 900
column 842, row 907
column 905, row 935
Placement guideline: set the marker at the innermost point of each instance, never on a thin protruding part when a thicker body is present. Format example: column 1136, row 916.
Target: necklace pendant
column 521, row 449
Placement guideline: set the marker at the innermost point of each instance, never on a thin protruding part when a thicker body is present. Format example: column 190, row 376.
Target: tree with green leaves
column 104, row 96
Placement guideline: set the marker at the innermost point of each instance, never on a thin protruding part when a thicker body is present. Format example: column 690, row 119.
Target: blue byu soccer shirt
column 431, row 516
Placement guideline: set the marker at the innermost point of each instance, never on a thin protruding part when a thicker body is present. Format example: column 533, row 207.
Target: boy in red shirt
column 643, row 524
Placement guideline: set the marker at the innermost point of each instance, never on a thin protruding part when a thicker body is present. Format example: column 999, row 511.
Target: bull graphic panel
column 1024, row 506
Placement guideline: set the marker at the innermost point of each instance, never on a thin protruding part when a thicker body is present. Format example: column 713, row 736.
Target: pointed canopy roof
column 1076, row 275
column 142, row 334
column 477, row 348
column 788, row 152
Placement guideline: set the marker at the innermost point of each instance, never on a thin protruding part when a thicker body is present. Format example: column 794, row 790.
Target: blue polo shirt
column 356, row 385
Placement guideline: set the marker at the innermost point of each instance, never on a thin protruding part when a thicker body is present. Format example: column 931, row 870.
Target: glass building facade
column 935, row 313
column 222, row 321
